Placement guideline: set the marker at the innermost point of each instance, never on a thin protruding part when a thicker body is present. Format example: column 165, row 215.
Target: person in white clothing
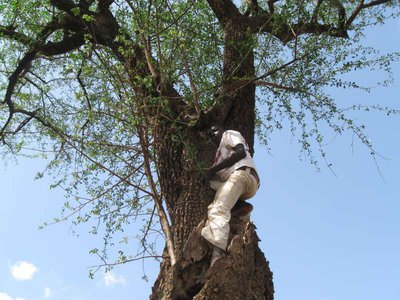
column 234, row 177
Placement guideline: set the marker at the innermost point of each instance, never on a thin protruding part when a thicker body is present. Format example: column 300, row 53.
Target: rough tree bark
column 187, row 197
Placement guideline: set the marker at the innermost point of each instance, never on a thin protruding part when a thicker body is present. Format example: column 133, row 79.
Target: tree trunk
column 244, row 273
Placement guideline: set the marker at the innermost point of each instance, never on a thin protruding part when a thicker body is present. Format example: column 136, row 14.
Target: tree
column 121, row 94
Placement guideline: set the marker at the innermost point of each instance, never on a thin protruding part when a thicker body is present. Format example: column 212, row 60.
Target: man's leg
column 242, row 209
column 215, row 184
column 216, row 230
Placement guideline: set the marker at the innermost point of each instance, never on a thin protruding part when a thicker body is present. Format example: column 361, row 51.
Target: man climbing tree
column 233, row 175
column 124, row 91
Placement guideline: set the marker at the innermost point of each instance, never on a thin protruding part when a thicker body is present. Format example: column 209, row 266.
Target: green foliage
column 94, row 122
column 298, row 94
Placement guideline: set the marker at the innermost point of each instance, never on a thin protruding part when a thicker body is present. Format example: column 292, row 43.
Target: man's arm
column 238, row 153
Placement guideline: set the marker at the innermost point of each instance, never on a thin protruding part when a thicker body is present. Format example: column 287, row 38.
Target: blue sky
column 326, row 236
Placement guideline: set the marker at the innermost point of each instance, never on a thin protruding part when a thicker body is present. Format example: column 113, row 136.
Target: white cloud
column 47, row 292
column 112, row 279
column 5, row 296
column 23, row 270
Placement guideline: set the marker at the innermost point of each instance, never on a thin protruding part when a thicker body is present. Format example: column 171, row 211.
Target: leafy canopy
column 84, row 82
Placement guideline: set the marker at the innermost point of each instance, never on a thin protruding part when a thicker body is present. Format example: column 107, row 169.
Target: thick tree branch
column 104, row 28
column 374, row 3
column 22, row 68
column 86, row 3
column 64, row 5
column 361, row 5
column 68, row 44
column 225, row 11
column 25, row 63
column 104, row 5
column 238, row 64
column 355, row 13
column 223, row 106
column 271, row 6
column 287, row 32
column 10, row 32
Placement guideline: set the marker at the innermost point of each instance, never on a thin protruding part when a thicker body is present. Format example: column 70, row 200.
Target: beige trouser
column 240, row 184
